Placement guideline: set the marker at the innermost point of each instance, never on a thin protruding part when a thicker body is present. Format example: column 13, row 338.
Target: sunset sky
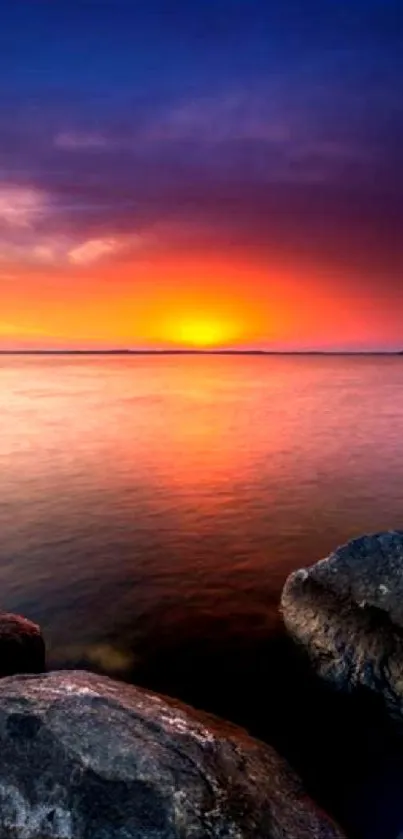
column 201, row 173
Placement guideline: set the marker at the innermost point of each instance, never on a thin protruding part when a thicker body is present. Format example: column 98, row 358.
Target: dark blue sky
column 231, row 123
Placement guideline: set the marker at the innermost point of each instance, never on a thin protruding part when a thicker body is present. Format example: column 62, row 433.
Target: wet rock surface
column 83, row 756
column 22, row 648
column 347, row 613
column 346, row 616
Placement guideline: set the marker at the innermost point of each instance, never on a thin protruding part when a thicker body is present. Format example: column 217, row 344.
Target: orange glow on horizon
column 180, row 300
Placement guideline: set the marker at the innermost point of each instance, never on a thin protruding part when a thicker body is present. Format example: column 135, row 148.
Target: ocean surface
column 151, row 507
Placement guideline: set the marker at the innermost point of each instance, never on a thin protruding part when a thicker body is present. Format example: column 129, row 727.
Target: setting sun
column 203, row 332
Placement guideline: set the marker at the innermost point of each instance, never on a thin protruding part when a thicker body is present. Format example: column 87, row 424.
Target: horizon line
column 190, row 351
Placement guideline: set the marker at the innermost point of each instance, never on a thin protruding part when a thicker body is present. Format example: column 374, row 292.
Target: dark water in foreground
column 151, row 508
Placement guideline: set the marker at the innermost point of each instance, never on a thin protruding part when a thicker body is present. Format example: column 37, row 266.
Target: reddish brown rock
column 22, row 648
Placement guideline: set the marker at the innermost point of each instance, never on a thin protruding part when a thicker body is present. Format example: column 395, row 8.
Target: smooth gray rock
column 22, row 648
column 347, row 613
column 85, row 757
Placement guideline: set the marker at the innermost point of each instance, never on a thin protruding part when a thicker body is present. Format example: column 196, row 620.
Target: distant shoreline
column 200, row 352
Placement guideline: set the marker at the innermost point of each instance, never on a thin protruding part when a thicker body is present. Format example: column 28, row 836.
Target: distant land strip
column 125, row 352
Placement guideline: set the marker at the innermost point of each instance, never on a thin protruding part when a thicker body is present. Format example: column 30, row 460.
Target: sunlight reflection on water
column 146, row 501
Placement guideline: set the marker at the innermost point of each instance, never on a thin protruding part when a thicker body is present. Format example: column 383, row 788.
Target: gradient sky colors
column 207, row 173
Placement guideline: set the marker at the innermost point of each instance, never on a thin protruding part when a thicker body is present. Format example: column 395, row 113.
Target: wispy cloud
column 45, row 252
column 232, row 115
column 20, row 206
column 29, row 247
column 26, row 245
column 80, row 140
column 92, row 250
column 267, row 134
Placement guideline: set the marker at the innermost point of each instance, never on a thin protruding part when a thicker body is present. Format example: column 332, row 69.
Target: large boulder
column 84, row 757
column 346, row 612
column 22, row 648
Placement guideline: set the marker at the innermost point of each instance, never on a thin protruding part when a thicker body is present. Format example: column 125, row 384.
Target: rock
column 22, row 648
column 85, row 757
column 347, row 613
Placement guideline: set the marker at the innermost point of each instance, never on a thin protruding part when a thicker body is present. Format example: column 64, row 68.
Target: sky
column 201, row 173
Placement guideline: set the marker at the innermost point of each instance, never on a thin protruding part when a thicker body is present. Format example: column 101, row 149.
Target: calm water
column 152, row 507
